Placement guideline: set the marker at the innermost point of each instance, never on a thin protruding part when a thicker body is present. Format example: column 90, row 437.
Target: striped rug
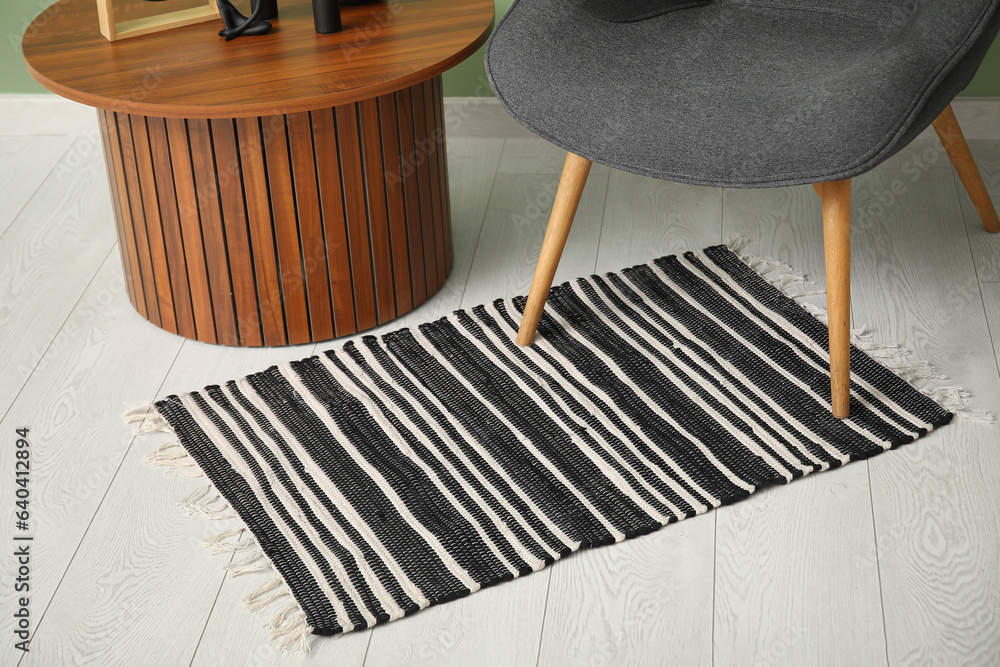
column 420, row 466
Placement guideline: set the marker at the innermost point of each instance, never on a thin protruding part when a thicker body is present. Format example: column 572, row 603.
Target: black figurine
column 325, row 12
column 237, row 24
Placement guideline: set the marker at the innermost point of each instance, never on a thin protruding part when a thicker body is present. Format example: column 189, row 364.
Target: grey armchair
column 741, row 94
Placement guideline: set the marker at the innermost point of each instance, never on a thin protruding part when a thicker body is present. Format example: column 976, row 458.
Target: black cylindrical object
column 326, row 13
column 270, row 10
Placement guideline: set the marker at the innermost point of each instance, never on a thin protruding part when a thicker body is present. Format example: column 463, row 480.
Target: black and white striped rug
column 423, row 465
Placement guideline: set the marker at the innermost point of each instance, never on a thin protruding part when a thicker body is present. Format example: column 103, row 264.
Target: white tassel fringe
column 919, row 374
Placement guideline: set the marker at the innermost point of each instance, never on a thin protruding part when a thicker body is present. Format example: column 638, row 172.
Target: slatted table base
column 287, row 229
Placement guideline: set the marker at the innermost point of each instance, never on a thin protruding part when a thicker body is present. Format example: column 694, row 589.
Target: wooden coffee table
column 279, row 189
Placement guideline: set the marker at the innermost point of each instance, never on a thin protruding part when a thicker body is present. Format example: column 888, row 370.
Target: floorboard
column 985, row 246
column 892, row 561
column 645, row 601
column 48, row 255
column 771, row 547
column 102, row 359
column 934, row 501
column 513, row 231
column 493, row 621
column 24, row 164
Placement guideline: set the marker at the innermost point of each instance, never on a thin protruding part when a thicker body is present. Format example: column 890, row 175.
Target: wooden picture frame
column 113, row 31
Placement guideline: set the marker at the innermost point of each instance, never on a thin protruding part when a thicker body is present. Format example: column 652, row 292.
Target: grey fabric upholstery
column 624, row 11
column 739, row 93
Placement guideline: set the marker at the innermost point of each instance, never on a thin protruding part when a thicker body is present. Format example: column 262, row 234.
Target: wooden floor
column 892, row 561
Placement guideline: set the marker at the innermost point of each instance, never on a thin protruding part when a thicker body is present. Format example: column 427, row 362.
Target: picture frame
column 114, row 30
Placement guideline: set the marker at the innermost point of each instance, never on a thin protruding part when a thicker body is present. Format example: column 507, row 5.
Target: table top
column 191, row 72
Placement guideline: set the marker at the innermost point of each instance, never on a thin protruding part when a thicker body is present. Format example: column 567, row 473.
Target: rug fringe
column 150, row 419
column 267, row 593
column 175, row 459
column 288, row 630
column 291, row 630
column 919, row 374
column 255, row 562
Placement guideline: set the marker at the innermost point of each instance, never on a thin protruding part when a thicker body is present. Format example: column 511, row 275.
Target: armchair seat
column 745, row 94
column 738, row 93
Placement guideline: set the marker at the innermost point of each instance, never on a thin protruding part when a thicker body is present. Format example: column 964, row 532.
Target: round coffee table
column 279, row 189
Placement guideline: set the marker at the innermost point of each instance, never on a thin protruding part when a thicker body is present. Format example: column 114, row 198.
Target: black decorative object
column 326, row 14
column 269, row 11
column 237, row 24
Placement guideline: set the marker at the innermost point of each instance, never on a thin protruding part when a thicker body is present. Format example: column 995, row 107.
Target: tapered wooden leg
column 818, row 187
column 574, row 178
column 837, row 244
column 957, row 148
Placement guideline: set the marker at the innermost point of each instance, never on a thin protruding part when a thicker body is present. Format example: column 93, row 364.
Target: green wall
column 467, row 79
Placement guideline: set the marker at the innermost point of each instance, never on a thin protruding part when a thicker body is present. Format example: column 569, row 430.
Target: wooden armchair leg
column 837, row 245
column 574, row 178
column 957, row 148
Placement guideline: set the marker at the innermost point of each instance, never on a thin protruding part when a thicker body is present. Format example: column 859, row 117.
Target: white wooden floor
column 894, row 561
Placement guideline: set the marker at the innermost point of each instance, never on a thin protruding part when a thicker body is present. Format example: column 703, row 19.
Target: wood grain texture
column 772, row 607
column 163, row 294
column 135, row 233
column 515, row 228
column 116, row 182
column 217, row 258
column 307, row 209
column 355, row 206
column 396, row 203
column 233, row 635
column 140, row 589
column 437, row 90
column 985, row 246
column 950, row 133
column 382, row 48
column 283, row 229
column 837, row 246
column 769, row 547
column 232, row 203
column 644, row 602
column 531, row 156
column 335, row 225
column 934, row 502
column 89, row 372
column 669, row 218
column 431, row 138
column 253, row 169
column 649, row 601
column 24, row 164
column 421, row 271
column 47, row 256
column 378, row 214
column 783, row 223
column 571, row 184
column 418, row 158
column 173, row 239
column 179, row 146
column 160, row 570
